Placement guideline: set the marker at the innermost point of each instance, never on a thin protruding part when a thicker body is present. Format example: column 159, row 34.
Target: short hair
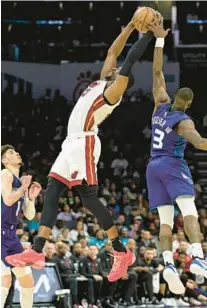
column 185, row 94
column 149, row 249
column 5, row 148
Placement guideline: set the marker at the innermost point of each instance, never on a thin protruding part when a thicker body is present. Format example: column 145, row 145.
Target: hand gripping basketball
column 34, row 190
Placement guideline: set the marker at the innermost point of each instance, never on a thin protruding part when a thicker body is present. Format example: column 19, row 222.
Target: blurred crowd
column 77, row 244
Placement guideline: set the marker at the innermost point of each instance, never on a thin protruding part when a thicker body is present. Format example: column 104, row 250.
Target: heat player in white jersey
column 76, row 164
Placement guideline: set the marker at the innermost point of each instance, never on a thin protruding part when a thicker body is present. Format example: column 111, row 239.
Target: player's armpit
column 159, row 86
column 186, row 128
column 109, row 63
column 115, row 91
column 158, row 80
column 9, row 196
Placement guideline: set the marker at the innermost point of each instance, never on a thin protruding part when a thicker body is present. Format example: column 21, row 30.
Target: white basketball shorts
column 77, row 160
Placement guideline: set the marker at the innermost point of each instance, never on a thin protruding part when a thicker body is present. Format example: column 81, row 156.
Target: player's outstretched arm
column 159, row 86
column 9, row 196
column 116, row 49
column 114, row 92
column 186, row 128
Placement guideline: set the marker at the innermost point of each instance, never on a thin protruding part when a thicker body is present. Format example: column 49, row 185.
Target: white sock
column 197, row 250
column 168, row 257
column 26, row 297
column 4, row 293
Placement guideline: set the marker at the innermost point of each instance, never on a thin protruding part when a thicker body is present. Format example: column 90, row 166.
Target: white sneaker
column 172, row 278
column 84, row 303
column 169, row 302
column 194, row 302
column 182, row 303
column 199, row 267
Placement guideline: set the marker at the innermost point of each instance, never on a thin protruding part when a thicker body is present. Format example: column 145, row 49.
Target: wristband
column 160, row 42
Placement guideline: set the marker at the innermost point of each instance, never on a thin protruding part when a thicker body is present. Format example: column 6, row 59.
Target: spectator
column 180, row 238
column 49, row 251
column 124, row 236
column 107, row 260
column 114, row 206
column 133, row 276
column 78, row 231
column 67, row 271
column 146, row 239
column 99, row 239
column 77, row 253
column 66, row 214
column 183, row 262
column 183, row 247
column 90, row 267
column 119, row 166
column 146, row 268
column 135, row 230
column 57, row 229
column 65, row 232
column 83, row 241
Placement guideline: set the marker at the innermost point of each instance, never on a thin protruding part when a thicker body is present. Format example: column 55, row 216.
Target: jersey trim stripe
column 61, row 179
column 99, row 102
column 90, row 164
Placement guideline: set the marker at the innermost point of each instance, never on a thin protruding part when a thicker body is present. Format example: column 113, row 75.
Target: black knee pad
column 91, row 201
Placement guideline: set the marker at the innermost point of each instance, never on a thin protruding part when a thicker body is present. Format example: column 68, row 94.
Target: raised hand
column 157, row 26
column 26, row 181
column 34, row 190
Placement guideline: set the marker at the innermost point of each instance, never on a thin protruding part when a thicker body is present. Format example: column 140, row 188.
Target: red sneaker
column 28, row 257
column 122, row 260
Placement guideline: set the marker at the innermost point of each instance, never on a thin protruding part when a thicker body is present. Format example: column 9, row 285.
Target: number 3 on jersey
column 157, row 139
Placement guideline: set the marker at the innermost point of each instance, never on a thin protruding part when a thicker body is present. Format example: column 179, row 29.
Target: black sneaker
column 154, row 302
column 125, row 303
column 138, row 303
column 109, row 303
column 98, row 303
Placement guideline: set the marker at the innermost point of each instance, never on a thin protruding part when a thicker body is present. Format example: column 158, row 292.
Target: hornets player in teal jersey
column 168, row 177
column 16, row 195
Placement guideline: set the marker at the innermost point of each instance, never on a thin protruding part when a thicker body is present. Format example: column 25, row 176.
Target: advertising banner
column 194, row 57
column 73, row 78
column 46, row 283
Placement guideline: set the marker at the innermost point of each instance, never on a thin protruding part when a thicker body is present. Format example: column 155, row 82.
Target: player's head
column 112, row 75
column 9, row 157
column 183, row 98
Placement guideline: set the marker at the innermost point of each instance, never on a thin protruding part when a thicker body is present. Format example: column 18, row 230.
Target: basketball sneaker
column 122, row 260
column 199, row 267
column 172, row 278
column 28, row 257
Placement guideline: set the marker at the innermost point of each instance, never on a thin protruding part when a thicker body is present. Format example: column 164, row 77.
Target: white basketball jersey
column 90, row 110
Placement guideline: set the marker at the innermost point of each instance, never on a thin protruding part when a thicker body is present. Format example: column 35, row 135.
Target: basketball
column 143, row 17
